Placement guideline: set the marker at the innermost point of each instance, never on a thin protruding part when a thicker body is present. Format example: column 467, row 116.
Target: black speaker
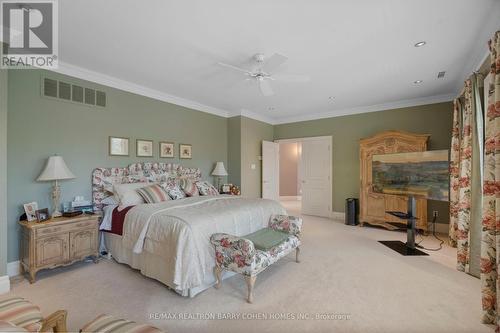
column 351, row 211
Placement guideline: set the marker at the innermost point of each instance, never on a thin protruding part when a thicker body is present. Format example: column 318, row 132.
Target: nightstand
column 58, row 242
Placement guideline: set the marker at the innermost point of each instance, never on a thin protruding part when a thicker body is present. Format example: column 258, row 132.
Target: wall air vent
column 64, row 90
column 89, row 96
column 50, row 88
column 77, row 93
column 73, row 93
column 100, row 98
column 441, row 74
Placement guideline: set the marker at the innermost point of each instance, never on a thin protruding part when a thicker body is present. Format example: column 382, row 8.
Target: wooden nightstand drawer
column 48, row 231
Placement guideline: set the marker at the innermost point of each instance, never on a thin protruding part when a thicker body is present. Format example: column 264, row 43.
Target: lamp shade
column 219, row 170
column 55, row 169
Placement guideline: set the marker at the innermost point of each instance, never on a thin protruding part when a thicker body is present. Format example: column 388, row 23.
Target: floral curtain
column 490, row 243
column 455, row 172
column 465, row 182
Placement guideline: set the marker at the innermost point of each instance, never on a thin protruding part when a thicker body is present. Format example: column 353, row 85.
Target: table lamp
column 55, row 170
column 219, row 171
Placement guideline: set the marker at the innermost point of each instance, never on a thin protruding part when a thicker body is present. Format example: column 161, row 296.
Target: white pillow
column 110, row 201
column 126, row 194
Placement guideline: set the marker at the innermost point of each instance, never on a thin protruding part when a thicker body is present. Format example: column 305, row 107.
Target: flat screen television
column 419, row 174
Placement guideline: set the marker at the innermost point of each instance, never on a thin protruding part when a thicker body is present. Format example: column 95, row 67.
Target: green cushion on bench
column 267, row 238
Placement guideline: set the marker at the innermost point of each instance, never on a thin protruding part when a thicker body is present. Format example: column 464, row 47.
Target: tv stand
column 409, row 248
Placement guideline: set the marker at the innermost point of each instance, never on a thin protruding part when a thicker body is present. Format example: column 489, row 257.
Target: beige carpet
column 343, row 271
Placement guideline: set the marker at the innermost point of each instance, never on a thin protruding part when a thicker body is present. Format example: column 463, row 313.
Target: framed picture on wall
column 185, row 151
column 144, row 148
column 118, row 146
column 166, row 149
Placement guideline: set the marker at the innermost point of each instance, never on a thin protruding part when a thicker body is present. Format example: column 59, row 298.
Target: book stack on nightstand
column 58, row 242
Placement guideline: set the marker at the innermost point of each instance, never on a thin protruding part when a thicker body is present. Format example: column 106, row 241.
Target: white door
column 270, row 170
column 316, row 173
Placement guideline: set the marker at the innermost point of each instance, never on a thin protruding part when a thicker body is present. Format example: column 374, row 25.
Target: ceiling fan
column 262, row 69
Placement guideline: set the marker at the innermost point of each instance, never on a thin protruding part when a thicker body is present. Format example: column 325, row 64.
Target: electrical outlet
column 435, row 213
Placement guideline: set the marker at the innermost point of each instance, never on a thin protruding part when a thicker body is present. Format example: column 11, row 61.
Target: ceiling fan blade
column 242, row 70
column 274, row 62
column 291, row 77
column 265, row 88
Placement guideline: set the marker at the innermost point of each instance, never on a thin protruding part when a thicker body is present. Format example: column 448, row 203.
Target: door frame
column 330, row 177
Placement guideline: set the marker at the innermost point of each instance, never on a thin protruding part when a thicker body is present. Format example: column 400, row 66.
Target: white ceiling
column 359, row 51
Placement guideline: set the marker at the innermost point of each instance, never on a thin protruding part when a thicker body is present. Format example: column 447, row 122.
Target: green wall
column 253, row 132
column 245, row 137
column 3, row 170
column 434, row 119
column 40, row 127
column 234, row 150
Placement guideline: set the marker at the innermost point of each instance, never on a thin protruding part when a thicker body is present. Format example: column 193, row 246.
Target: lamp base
column 56, row 214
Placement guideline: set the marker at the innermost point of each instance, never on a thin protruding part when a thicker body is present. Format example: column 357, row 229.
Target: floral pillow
column 173, row 189
column 205, row 188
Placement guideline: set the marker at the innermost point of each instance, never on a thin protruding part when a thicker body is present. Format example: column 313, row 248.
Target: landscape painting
column 421, row 174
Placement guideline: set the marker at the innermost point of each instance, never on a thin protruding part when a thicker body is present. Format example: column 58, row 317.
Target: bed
column 170, row 241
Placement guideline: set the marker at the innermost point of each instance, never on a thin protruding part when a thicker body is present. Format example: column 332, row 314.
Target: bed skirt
column 151, row 265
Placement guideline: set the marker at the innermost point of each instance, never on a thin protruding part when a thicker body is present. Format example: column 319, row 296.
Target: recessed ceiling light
column 422, row 43
column 418, row 81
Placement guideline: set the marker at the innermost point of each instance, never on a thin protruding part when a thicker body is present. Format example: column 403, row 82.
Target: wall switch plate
column 435, row 213
column 252, row 166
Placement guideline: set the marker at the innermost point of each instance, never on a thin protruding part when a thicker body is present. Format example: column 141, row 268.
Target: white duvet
column 182, row 228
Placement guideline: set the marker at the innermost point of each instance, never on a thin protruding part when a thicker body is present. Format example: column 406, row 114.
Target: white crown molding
column 255, row 116
column 4, row 284
column 113, row 82
column 369, row 108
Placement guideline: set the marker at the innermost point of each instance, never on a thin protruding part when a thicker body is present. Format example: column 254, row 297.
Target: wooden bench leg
column 297, row 252
column 218, row 276
column 250, row 282
column 56, row 322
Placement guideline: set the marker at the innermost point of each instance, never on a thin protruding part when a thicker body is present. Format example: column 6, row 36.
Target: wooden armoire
column 373, row 206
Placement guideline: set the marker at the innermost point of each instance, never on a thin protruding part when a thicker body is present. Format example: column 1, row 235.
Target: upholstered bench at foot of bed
column 239, row 255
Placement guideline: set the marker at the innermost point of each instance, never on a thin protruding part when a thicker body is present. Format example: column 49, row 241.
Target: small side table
column 58, row 242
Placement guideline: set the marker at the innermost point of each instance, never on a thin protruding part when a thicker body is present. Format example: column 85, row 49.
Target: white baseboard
column 14, row 268
column 337, row 215
column 4, row 284
column 290, row 197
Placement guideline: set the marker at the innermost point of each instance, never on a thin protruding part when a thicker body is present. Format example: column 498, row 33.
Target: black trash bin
column 351, row 211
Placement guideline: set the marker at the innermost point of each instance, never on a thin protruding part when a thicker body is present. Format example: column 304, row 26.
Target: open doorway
column 305, row 170
column 290, row 171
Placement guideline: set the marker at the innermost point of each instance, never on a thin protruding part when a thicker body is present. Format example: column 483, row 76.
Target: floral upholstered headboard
column 103, row 179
